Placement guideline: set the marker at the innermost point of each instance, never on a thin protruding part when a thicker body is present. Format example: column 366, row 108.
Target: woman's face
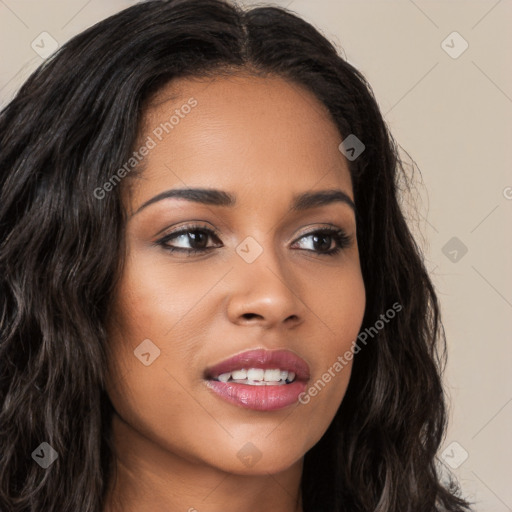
column 262, row 279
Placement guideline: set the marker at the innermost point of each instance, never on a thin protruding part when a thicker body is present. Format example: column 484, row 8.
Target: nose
column 265, row 293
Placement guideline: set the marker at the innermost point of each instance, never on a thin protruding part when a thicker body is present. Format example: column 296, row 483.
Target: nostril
column 249, row 316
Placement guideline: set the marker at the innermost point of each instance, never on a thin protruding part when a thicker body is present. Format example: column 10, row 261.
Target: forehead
column 245, row 134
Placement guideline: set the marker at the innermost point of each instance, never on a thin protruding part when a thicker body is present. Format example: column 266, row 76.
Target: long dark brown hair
column 69, row 128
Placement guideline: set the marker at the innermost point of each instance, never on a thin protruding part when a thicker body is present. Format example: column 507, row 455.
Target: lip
column 263, row 359
column 260, row 398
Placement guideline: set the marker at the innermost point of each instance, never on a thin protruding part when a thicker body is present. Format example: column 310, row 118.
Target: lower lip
column 259, row 398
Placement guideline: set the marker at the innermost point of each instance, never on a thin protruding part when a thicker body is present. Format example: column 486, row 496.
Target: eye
column 324, row 238
column 196, row 236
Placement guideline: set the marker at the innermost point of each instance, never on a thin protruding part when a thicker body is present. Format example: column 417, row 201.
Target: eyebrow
column 215, row 197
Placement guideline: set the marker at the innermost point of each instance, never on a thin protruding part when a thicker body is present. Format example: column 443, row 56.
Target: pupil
column 196, row 237
column 323, row 237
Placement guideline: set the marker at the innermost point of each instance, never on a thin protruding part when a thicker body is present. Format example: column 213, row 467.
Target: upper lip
column 264, row 359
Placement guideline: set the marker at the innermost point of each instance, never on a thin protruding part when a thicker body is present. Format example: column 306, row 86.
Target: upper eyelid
column 192, row 227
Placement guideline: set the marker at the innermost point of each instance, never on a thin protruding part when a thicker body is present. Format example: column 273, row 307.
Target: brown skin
column 263, row 140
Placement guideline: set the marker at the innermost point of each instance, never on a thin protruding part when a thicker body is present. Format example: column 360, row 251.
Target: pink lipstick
column 263, row 380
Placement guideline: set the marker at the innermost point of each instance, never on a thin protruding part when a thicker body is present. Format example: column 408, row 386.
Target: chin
column 249, row 460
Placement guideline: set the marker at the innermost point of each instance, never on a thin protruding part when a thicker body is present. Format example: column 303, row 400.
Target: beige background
column 454, row 117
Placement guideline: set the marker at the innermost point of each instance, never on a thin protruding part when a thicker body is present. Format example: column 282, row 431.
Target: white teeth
column 239, row 374
column 255, row 374
column 258, row 376
column 272, row 375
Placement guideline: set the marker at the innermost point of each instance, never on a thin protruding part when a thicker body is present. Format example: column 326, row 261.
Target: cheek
column 339, row 305
column 341, row 311
column 155, row 296
column 165, row 309
column 148, row 373
column 159, row 302
column 152, row 393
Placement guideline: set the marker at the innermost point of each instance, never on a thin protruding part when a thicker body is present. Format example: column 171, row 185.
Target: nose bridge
column 260, row 258
column 264, row 283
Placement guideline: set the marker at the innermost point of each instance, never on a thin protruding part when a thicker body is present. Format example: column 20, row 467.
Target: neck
column 149, row 477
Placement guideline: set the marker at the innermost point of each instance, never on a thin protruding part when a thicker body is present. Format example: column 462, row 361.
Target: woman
column 210, row 299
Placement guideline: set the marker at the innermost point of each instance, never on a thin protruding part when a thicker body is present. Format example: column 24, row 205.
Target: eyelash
column 342, row 240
